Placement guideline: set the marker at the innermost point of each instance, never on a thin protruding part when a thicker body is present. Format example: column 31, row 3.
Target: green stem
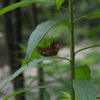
column 87, row 48
column 72, row 49
column 64, row 58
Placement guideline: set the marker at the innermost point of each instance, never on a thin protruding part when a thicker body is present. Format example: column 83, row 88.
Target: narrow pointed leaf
column 22, row 47
column 28, row 89
column 46, row 95
column 37, row 35
column 16, row 5
column 83, row 72
column 94, row 15
column 19, row 71
column 84, row 89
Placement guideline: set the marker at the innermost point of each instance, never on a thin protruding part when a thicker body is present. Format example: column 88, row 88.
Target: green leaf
column 46, row 96
column 22, row 47
column 23, row 3
column 94, row 15
column 67, row 24
column 83, row 72
column 98, row 97
column 93, row 46
column 36, row 54
column 37, row 35
column 50, row 74
column 66, row 84
column 33, row 56
column 28, row 89
column 84, row 89
column 16, row 5
column 46, row 43
column 59, row 3
column 25, row 67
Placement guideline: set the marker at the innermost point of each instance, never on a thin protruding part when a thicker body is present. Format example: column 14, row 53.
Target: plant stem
column 72, row 49
column 93, row 46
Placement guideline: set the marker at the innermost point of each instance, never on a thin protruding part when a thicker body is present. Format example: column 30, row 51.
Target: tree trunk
column 34, row 16
column 41, row 81
column 19, row 81
column 12, row 40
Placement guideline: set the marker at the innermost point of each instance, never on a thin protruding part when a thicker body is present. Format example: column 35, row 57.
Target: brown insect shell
column 52, row 50
column 54, row 43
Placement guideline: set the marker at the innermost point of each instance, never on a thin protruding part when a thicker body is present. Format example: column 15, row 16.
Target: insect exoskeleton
column 51, row 50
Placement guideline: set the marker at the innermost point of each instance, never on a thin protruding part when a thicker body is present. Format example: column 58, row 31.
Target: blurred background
column 15, row 29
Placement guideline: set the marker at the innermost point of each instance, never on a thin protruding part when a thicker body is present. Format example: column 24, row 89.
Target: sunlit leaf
column 67, row 24
column 46, row 43
column 83, row 72
column 37, row 35
column 59, row 3
column 84, row 89
column 94, row 15
column 64, row 96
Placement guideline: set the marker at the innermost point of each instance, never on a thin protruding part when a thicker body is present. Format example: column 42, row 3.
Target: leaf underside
column 37, row 35
column 84, row 89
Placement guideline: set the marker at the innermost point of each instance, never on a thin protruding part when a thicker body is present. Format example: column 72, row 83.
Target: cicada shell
column 52, row 50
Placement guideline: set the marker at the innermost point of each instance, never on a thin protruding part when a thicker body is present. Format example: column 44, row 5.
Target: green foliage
column 84, row 89
column 67, row 24
column 25, row 67
column 59, row 2
column 37, row 35
column 93, row 33
column 46, row 96
column 98, row 97
column 83, row 72
column 94, row 15
column 64, row 96
column 22, row 69
column 14, row 6
column 28, row 89
column 35, row 54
